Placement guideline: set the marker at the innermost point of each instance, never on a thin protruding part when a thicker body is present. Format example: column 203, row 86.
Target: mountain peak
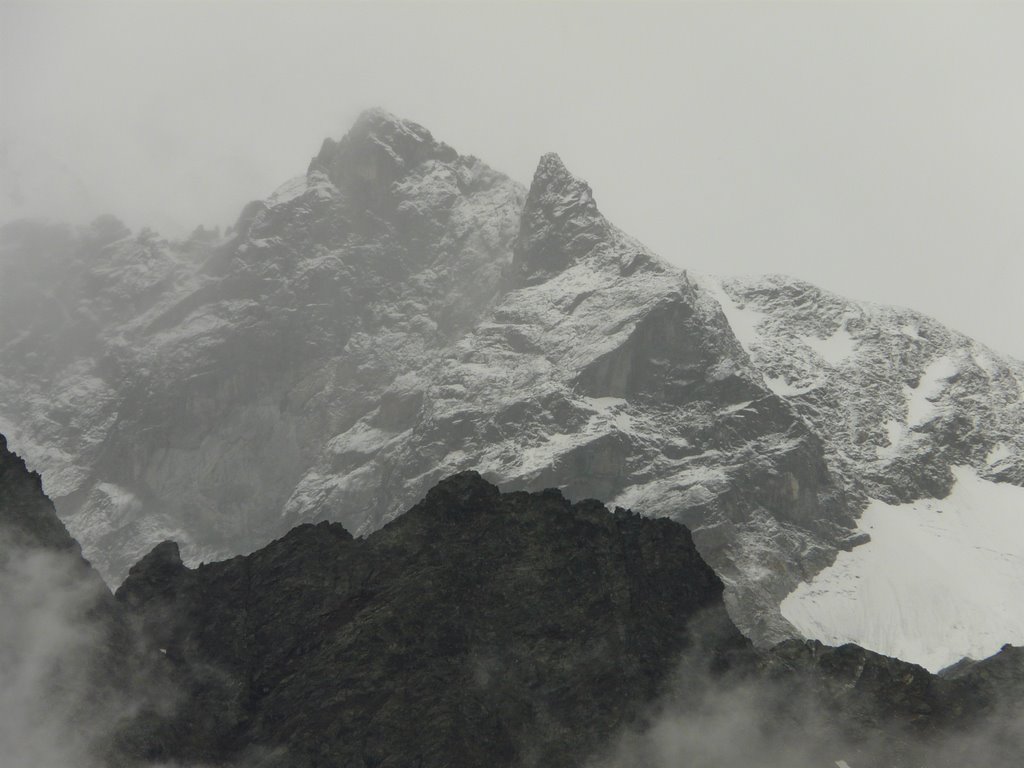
column 560, row 222
column 378, row 150
column 550, row 164
column 378, row 116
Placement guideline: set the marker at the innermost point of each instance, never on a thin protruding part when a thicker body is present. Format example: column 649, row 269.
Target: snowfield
column 940, row 579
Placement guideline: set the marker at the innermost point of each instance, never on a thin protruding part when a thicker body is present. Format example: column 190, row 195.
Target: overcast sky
column 877, row 150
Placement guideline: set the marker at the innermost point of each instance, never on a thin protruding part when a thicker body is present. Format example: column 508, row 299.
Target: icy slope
column 939, row 580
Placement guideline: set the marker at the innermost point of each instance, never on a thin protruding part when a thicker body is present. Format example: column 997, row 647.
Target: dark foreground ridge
column 479, row 629
column 490, row 629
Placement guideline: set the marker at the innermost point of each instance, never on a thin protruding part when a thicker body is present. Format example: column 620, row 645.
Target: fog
column 51, row 710
column 870, row 148
column 71, row 686
column 773, row 721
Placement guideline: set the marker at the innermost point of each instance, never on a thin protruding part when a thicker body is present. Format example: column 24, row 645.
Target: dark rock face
column 519, row 629
column 477, row 629
column 27, row 517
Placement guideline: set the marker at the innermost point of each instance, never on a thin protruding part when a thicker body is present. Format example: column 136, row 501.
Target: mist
column 52, row 711
column 869, row 148
column 77, row 686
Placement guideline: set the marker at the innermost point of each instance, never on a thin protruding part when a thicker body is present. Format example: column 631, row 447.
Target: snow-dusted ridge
column 926, row 426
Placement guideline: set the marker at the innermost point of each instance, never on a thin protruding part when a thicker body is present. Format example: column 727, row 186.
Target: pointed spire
column 560, row 222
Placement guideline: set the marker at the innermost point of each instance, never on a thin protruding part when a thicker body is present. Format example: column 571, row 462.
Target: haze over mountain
column 402, row 312
column 869, row 148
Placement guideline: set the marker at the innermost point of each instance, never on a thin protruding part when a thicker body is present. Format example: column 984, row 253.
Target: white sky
column 874, row 149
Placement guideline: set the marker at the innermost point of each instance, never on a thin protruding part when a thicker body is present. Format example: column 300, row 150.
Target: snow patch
column 783, row 388
column 896, row 432
column 836, row 348
column 999, row 453
column 743, row 320
column 920, row 399
column 939, row 580
column 291, row 189
column 735, row 407
column 985, row 362
column 910, row 330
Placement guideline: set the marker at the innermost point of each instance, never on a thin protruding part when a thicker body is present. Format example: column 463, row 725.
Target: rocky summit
column 401, row 313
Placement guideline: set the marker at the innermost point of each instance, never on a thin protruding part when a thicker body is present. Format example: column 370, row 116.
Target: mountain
column 402, row 313
column 478, row 628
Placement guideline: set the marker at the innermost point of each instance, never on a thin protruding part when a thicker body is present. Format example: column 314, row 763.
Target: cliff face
column 477, row 629
column 28, row 519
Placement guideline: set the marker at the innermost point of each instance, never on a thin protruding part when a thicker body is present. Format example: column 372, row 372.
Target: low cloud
column 707, row 721
column 50, row 712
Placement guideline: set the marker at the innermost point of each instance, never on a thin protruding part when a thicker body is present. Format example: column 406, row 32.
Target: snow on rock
column 743, row 320
column 999, row 453
column 908, row 412
column 780, row 386
column 897, row 398
column 288, row 191
column 834, row 349
column 940, row 579
column 921, row 399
